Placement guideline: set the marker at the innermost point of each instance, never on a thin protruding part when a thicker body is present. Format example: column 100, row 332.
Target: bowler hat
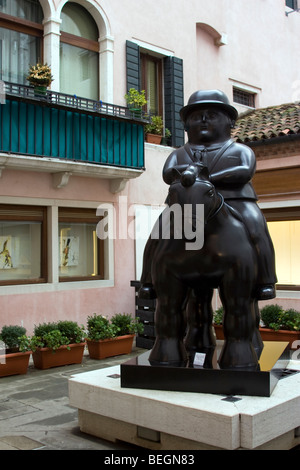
column 206, row 98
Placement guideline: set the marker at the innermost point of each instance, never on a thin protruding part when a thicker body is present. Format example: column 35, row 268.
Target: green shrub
column 53, row 340
column 71, row 330
column 218, row 316
column 270, row 315
column 126, row 324
column 44, row 328
column 290, row 320
column 55, row 334
column 10, row 335
column 99, row 327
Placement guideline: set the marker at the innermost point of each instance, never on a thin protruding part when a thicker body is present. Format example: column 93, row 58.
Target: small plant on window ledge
column 154, row 130
column 155, row 126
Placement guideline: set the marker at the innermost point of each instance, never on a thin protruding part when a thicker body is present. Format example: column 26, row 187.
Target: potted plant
column 277, row 324
column 57, row 344
column 113, row 337
column 218, row 323
column 166, row 137
column 15, row 358
column 280, row 324
column 135, row 101
column 154, row 130
column 40, row 77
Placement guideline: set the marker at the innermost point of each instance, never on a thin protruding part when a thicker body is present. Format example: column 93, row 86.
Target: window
column 162, row 78
column 79, row 53
column 22, row 244
column 284, row 228
column 243, row 97
column 292, row 4
column 81, row 253
column 21, row 34
column 151, row 78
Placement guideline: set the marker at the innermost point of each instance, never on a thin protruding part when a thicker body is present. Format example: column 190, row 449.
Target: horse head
column 192, row 187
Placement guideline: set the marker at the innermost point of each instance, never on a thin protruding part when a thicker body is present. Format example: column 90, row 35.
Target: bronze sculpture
column 237, row 256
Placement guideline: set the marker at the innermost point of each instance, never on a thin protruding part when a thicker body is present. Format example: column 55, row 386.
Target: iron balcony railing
column 70, row 127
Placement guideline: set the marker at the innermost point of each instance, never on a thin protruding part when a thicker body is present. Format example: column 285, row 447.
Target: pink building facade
column 97, row 50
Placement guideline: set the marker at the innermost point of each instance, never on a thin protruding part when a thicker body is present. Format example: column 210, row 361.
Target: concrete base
column 164, row 420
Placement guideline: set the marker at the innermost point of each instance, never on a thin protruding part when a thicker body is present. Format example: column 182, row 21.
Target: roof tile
column 268, row 123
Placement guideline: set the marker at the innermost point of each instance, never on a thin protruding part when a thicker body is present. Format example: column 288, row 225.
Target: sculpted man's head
column 208, row 117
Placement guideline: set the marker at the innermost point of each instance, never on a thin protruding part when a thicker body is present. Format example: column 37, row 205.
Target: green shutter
column 174, row 100
column 133, row 65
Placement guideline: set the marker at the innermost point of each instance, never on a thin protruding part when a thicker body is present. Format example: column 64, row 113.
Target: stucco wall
column 32, row 304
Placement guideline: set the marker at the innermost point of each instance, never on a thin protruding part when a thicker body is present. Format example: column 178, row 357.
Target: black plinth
column 139, row 373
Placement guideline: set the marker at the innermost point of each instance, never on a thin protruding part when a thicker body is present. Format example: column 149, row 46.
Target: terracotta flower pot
column 45, row 358
column 269, row 335
column 219, row 331
column 280, row 335
column 110, row 347
column 153, row 138
column 14, row 363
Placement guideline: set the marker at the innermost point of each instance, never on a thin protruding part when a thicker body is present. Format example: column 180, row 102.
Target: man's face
column 208, row 125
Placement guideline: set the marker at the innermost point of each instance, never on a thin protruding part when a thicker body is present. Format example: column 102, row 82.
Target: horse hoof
column 169, row 364
column 168, row 352
column 147, row 292
column 238, row 355
column 266, row 292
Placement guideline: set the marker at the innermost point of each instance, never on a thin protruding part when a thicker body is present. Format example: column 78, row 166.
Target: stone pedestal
column 208, row 377
column 166, row 420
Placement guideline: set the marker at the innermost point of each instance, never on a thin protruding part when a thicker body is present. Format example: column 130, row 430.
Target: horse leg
column 200, row 334
column 146, row 290
column 239, row 325
column 168, row 349
column 256, row 340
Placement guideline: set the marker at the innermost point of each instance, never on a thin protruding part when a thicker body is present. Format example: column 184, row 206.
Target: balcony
column 68, row 135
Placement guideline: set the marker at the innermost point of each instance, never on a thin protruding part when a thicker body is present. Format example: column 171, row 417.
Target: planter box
column 280, row 335
column 269, row 335
column 153, row 138
column 219, row 331
column 14, row 363
column 110, row 347
column 45, row 358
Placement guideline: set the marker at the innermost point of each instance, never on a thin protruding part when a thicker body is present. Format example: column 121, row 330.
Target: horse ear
column 203, row 172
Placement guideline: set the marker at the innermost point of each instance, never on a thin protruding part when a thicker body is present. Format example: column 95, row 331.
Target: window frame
column 247, row 94
column 22, row 26
column 87, row 216
column 79, row 41
column 18, row 216
column 281, row 214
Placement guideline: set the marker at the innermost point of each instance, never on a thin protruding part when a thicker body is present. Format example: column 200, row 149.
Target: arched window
column 21, row 36
column 79, row 52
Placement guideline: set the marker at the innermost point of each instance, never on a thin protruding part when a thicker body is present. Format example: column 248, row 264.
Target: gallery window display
column 22, row 244
column 81, row 253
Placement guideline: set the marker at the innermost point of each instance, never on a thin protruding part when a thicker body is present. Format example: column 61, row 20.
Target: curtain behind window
column 19, row 50
column 28, row 9
column 79, row 65
column 79, row 73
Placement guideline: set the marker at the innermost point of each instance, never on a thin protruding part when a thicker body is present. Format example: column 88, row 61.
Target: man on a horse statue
column 208, row 119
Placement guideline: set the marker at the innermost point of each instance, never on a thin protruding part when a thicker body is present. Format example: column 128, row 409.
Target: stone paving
column 35, row 413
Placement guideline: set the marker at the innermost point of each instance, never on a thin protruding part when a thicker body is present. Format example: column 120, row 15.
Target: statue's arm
column 240, row 173
column 172, row 168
